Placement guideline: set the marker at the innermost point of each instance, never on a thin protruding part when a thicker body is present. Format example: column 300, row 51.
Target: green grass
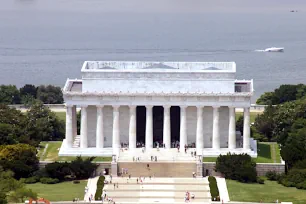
column 64, row 191
column 61, row 115
column 253, row 116
column 209, row 159
column 268, row 192
column 265, row 153
column 52, row 154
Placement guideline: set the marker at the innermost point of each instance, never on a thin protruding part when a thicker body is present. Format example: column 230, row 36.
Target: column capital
column 116, row 108
column 199, row 107
column 132, row 106
column 183, row 106
column 83, row 106
column 167, row 106
column 100, row 106
column 231, row 106
column 69, row 105
column 216, row 107
column 149, row 106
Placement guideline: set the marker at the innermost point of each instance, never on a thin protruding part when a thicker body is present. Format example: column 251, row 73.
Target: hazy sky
column 155, row 6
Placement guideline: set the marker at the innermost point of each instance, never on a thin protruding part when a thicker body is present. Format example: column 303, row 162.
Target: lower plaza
column 132, row 110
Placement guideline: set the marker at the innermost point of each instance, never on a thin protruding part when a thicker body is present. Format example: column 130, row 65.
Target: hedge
column 100, row 185
column 214, row 191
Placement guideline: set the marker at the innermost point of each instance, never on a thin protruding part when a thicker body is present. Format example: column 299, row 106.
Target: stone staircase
column 161, row 190
column 169, row 155
column 158, row 169
column 76, row 142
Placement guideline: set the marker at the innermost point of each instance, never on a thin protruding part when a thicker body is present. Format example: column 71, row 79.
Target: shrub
column 272, row 175
column 260, row 181
column 82, row 169
column 58, row 170
column 76, row 181
column 239, row 167
column 49, row 180
column 33, row 179
column 214, row 191
column 294, row 178
column 100, row 185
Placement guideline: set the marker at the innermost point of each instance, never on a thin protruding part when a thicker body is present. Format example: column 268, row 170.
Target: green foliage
column 58, row 170
column 43, row 124
column 239, row 167
column 9, row 94
column 272, row 176
column 214, row 191
column 21, row 194
column 264, row 123
column 294, row 178
column 239, row 124
column 50, row 94
column 20, row 158
column 100, row 185
column 33, row 179
column 82, row 169
column 45, row 180
column 284, row 93
column 260, row 180
column 28, row 90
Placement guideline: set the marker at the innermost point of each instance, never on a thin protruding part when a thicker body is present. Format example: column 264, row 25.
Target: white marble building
column 130, row 102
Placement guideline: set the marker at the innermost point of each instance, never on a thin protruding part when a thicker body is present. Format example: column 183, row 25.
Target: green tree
column 58, row 170
column 28, row 89
column 50, row 94
column 7, row 134
column 21, row 194
column 9, row 94
column 82, row 169
column 43, row 124
column 19, row 158
column 266, row 99
column 264, row 123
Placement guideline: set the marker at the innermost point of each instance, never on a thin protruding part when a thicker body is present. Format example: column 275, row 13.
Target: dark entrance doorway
column 175, row 117
column 140, row 125
column 158, row 124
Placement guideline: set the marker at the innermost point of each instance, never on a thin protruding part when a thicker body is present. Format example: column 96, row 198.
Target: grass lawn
column 61, row 115
column 209, row 159
column 252, row 116
column 64, row 191
column 268, row 152
column 268, row 192
column 52, row 153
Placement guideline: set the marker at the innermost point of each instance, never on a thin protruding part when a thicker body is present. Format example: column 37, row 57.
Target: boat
column 275, row 49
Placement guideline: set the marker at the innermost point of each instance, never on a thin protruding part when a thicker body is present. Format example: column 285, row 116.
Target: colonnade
column 71, row 128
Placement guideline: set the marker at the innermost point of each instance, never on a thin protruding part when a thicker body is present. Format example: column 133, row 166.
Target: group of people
column 104, row 197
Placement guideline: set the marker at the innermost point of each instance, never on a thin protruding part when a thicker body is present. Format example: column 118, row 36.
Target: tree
column 266, row 99
column 58, row 170
column 82, row 169
column 43, row 124
column 7, row 134
column 264, row 123
column 28, row 90
column 21, row 194
column 9, row 94
column 19, row 158
column 50, row 94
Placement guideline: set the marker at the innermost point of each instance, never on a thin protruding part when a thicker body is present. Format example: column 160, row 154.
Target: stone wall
column 261, row 168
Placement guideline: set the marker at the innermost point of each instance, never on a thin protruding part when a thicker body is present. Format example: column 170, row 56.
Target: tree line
column 10, row 94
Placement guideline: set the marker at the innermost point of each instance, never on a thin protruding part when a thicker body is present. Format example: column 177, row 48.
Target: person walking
column 114, row 186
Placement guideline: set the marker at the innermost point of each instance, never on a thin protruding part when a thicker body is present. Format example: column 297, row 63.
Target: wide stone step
column 159, row 200
column 158, row 188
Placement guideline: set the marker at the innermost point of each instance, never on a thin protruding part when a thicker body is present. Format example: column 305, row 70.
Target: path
column 92, row 187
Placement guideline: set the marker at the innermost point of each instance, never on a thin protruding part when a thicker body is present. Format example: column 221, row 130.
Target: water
column 45, row 42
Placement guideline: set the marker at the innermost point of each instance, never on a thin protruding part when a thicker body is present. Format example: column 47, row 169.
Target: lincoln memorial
column 157, row 106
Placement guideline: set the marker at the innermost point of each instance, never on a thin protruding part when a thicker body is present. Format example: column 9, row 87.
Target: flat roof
column 102, row 66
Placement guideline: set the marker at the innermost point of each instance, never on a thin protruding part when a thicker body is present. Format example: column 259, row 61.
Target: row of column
column 71, row 128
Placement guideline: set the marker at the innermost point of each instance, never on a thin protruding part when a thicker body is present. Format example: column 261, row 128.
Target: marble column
column 167, row 128
column 99, row 130
column 199, row 139
column 74, row 121
column 149, row 127
column 216, row 130
column 84, row 142
column 69, row 126
column 246, row 129
column 232, row 129
column 116, row 128
column 132, row 128
column 183, row 128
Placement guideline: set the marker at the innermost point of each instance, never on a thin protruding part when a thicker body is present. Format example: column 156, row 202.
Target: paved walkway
column 92, row 187
column 222, row 189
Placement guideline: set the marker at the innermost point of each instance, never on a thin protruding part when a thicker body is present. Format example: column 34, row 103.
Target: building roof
column 96, row 66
